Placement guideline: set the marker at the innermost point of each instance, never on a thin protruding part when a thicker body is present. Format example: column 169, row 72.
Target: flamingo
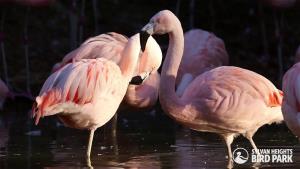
column 202, row 51
column 87, row 93
column 4, row 92
column 291, row 100
column 110, row 46
column 226, row 100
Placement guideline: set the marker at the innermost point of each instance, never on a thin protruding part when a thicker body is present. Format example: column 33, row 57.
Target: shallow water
column 153, row 142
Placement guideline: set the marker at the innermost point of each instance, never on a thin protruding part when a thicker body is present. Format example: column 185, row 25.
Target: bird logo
column 240, row 155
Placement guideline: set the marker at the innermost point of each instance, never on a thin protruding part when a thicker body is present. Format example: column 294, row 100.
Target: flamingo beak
column 136, row 80
column 145, row 33
column 139, row 79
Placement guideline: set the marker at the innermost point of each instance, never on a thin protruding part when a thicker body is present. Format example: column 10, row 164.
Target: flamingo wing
column 109, row 46
column 77, row 84
column 230, row 93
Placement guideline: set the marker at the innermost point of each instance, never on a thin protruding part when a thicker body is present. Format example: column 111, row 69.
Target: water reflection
column 23, row 145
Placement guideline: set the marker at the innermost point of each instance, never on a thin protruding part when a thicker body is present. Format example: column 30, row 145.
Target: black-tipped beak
column 136, row 80
column 145, row 33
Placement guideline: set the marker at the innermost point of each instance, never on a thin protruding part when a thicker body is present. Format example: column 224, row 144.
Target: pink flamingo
column 291, row 100
column 226, row 100
column 203, row 51
column 4, row 92
column 87, row 93
column 110, row 46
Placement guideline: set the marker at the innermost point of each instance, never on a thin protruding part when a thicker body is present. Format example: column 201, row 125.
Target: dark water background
column 144, row 140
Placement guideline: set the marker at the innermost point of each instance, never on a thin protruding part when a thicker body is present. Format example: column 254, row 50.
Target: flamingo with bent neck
column 86, row 94
column 110, row 46
column 227, row 100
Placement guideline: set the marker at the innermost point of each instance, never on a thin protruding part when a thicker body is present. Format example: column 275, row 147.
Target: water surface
column 142, row 142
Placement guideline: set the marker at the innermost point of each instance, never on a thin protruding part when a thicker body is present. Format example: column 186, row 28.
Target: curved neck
column 169, row 100
column 130, row 56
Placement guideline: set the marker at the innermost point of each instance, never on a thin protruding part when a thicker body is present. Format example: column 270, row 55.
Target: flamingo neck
column 130, row 56
column 169, row 100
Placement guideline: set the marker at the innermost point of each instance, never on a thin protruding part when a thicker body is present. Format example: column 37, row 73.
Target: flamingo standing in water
column 86, row 94
column 203, row 51
column 291, row 99
column 226, row 100
column 110, row 46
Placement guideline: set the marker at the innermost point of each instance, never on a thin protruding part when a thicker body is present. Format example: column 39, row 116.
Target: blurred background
column 34, row 35
column 253, row 31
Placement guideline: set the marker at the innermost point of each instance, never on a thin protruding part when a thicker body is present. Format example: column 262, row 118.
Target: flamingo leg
column 114, row 125
column 228, row 140
column 253, row 145
column 89, row 148
column 89, row 163
column 249, row 137
column 114, row 134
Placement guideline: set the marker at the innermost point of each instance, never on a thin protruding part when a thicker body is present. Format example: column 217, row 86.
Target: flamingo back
column 80, row 83
column 109, row 46
column 228, row 94
column 202, row 51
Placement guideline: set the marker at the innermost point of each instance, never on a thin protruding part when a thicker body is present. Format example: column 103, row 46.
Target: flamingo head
column 160, row 23
column 149, row 61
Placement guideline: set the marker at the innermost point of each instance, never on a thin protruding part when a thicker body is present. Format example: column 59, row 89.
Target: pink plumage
column 87, row 93
column 79, row 85
column 291, row 100
column 203, row 51
column 225, row 100
column 110, row 46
